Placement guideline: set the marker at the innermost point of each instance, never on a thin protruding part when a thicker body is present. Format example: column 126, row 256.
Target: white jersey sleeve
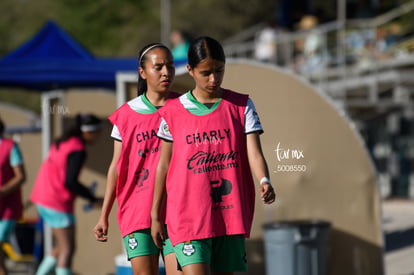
column 115, row 133
column 164, row 132
column 137, row 104
column 251, row 119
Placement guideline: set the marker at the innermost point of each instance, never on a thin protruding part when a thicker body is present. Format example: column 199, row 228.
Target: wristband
column 265, row 179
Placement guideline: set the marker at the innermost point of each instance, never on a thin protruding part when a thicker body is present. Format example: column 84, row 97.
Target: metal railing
column 350, row 66
column 346, row 49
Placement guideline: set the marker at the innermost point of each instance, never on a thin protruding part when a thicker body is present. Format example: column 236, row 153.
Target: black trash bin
column 296, row 247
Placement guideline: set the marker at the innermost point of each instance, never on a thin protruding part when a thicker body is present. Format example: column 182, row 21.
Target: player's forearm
column 15, row 182
column 256, row 158
column 159, row 193
column 110, row 191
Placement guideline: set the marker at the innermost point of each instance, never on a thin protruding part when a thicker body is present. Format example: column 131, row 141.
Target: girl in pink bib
column 57, row 186
column 210, row 144
column 12, row 177
column 136, row 152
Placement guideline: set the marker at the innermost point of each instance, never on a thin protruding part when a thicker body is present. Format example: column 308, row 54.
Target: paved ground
column 398, row 225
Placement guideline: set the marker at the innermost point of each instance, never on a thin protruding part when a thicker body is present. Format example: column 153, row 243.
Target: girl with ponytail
column 132, row 170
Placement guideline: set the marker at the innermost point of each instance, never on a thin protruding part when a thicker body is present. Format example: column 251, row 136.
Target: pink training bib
column 136, row 166
column 11, row 207
column 49, row 189
column 210, row 190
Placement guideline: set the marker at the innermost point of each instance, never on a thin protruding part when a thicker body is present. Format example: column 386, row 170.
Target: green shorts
column 6, row 229
column 224, row 254
column 167, row 248
column 140, row 243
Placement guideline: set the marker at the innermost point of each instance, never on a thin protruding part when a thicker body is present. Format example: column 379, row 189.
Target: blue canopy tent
column 54, row 60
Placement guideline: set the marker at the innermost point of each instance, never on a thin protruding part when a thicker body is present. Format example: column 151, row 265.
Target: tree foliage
column 121, row 27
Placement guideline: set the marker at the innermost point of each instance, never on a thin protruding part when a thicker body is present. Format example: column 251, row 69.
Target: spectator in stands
column 394, row 33
column 392, row 37
column 310, row 52
column 365, row 56
column 354, row 44
column 265, row 49
column 381, row 42
column 377, row 47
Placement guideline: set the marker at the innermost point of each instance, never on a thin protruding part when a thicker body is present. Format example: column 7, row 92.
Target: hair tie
column 147, row 50
column 89, row 123
column 90, row 127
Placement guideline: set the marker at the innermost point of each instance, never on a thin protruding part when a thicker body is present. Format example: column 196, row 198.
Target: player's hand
column 267, row 193
column 101, row 231
column 157, row 233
